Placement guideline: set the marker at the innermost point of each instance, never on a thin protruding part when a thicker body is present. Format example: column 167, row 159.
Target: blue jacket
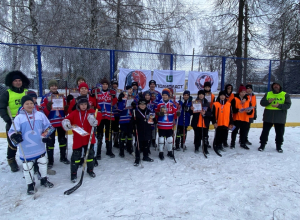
column 125, row 114
column 187, row 114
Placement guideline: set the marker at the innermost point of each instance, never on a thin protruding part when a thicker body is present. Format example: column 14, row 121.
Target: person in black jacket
column 18, row 84
column 143, row 119
column 198, row 125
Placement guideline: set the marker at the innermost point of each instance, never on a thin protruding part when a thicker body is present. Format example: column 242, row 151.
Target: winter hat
column 166, row 91
column 207, row 84
column 187, row 92
column 16, row 74
column 32, row 94
column 142, row 101
column 26, row 98
column 222, row 93
column 80, row 100
column 134, row 84
column 152, row 81
column 242, row 88
column 115, row 82
column 52, row 82
column 80, row 78
column 249, row 86
column 104, row 80
column 128, row 87
column 83, row 84
column 201, row 92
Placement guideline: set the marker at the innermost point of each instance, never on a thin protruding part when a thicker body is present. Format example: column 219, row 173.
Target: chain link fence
column 42, row 63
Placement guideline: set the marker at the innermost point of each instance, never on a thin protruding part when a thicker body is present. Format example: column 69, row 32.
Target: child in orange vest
column 240, row 116
column 221, row 119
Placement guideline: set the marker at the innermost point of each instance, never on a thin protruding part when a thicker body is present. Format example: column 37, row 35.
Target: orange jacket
column 222, row 114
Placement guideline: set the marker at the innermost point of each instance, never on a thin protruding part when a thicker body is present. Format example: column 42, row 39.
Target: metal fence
column 43, row 62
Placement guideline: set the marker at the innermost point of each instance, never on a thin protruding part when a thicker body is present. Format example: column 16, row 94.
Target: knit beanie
column 187, row 92
column 166, row 91
column 134, row 84
column 207, row 84
column 26, row 98
column 142, row 101
column 80, row 78
column 32, row 94
column 83, row 84
column 52, row 82
column 222, row 93
column 104, row 80
column 128, row 87
column 115, row 82
column 201, row 92
column 249, row 86
column 152, row 81
column 242, row 88
column 80, row 100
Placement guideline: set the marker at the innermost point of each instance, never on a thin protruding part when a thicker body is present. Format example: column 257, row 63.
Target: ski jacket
column 187, row 114
column 222, row 114
column 144, row 129
column 79, row 118
column 166, row 122
column 55, row 116
column 197, row 117
column 276, row 115
column 92, row 102
column 236, row 104
column 104, row 103
column 32, row 144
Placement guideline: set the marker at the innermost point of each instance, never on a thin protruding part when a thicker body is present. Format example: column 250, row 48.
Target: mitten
column 66, row 124
column 92, row 120
column 69, row 98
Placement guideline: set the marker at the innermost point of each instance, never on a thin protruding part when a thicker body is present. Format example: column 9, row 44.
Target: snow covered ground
column 240, row 185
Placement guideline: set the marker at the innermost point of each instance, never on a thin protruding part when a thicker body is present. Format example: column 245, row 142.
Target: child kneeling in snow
column 30, row 125
column 83, row 117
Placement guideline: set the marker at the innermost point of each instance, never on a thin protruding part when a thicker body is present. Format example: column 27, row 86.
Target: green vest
column 14, row 101
column 279, row 98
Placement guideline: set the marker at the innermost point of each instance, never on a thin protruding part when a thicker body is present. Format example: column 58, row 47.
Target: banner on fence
column 196, row 81
column 174, row 79
column 127, row 76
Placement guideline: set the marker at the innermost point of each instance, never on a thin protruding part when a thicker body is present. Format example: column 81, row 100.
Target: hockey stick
column 174, row 137
column 66, row 133
column 73, row 189
column 109, row 137
column 20, row 145
column 183, row 139
column 137, row 137
column 203, row 151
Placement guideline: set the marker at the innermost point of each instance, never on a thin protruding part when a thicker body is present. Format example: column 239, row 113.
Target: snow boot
column 91, row 173
column 73, row 177
column 161, row 156
column 177, row 142
column 244, row 146
column 136, row 162
column 232, row 145
column 225, row 144
column 262, row 147
column 170, row 154
column 121, row 154
column 30, row 188
column 63, row 157
column 248, row 142
column 116, row 139
column 146, row 154
column 13, row 164
column 278, row 148
column 46, row 183
column 109, row 150
column 197, row 149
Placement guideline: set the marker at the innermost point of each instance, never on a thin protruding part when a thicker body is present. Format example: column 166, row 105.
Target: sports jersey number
column 31, row 143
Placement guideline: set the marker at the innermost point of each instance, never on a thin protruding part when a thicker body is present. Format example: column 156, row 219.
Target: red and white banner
column 127, row 76
column 196, row 81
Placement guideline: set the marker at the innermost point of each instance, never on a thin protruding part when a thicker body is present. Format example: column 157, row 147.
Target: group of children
column 126, row 115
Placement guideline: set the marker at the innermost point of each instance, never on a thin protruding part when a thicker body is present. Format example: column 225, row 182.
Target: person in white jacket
column 30, row 132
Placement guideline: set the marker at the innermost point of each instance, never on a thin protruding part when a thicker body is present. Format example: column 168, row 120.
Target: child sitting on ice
column 29, row 126
column 83, row 117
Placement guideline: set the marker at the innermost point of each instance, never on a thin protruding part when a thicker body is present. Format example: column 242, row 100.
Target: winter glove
column 121, row 96
column 66, row 124
column 46, row 140
column 92, row 120
column 16, row 138
column 178, row 113
column 49, row 106
column 69, row 98
column 133, row 105
column 161, row 113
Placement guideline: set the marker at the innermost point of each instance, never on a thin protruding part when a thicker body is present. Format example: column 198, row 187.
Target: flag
column 196, row 81
column 127, row 76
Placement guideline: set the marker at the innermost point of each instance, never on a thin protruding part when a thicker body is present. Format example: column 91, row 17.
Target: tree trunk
column 246, row 44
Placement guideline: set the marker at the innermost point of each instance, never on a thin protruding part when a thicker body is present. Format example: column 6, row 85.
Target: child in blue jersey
column 186, row 110
column 30, row 125
column 125, row 121
column 151, row 106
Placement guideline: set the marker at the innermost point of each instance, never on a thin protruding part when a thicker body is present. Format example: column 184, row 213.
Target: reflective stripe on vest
column 222, row 115
column 279, row 98
column 14, row 101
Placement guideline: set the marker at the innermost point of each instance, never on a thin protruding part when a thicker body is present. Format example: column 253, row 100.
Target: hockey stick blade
column 74, row 188
column 203, row 151
column 220, row 155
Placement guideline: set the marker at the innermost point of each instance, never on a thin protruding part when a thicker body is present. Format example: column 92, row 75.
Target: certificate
column 128, row 103
column 79, row 130
column 197, row 107
column 58, row 101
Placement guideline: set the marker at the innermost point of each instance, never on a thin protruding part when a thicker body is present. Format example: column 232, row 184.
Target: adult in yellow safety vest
column 18, row 84
column 276, row 103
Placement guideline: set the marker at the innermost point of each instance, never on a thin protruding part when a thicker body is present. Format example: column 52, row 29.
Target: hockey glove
column 69, row 98
column 66, row 124
column 178, row 113
column 92, row 120
column 16, row 138
column 46, row 140
column 49, row 106
column 133, row 105
column 161, row 113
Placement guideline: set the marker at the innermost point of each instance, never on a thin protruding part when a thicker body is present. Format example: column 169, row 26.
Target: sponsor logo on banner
column 169, row 78
column 136, row 76
column 203, row 79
